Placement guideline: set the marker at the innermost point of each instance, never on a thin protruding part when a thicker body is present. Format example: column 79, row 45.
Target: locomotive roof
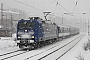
column 37, row 19
column 30, row 20
column 67, row 26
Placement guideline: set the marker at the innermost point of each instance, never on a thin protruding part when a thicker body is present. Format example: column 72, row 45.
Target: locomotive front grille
column 25, row 36
column 26, row 41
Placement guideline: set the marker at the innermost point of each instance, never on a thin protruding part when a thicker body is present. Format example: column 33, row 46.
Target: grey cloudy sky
column 51, row 5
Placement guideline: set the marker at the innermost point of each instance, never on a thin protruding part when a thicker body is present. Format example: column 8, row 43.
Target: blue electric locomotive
column 36, row 32
column 32, row 32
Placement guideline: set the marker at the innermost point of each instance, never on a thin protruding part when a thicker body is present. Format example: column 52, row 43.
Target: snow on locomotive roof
column 66, row 26
column 63, row 26
column 34, row 18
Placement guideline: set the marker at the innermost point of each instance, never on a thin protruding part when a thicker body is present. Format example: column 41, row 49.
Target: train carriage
column 63, row 31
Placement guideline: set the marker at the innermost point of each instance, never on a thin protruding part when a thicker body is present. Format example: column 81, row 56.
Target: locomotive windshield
column 22, row 25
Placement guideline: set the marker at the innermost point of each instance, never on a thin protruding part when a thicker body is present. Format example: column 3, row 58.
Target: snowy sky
column 36, row 7
column 58, row 7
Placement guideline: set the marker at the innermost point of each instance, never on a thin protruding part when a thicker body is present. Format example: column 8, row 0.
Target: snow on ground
column 7, row 43
column 44, row 49
column 77, row 53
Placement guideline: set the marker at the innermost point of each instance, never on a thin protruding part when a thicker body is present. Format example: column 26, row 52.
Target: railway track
column 42, row 55
column 11, row 54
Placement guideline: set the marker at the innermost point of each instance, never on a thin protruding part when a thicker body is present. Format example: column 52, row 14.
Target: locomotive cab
column 29, row 32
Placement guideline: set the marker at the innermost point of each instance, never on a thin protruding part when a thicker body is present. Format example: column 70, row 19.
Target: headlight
column 32, row 36
column 25, row 30
column 19, row 37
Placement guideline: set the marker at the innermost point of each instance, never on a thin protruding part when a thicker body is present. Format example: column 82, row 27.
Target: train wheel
column 36, row 46
column 20, row 46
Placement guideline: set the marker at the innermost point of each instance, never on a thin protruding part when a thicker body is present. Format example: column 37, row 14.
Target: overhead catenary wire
column 61, row 6
column 32, row 7
column 28, row 5
column 76, row 7
column 76, row 3
column 37, row 8
column 40, row 9
column 68, row 13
